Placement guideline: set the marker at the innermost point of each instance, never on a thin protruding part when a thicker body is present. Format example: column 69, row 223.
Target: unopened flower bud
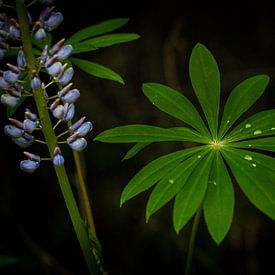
column 77, row 124
column 9, row 100
column 29, row 165
column 35, row 82
column 29, row 125
column 54, row 20
column 21, row 60
column 54, row 69
column 71, row 96
column 57, row 46
column 13, row 131
column 66, row 77
column 79, row 144
column 85, row 128
column 39, row 35
column 64, row 52
column 23, row 142
column 69, row 111
column 58, row 159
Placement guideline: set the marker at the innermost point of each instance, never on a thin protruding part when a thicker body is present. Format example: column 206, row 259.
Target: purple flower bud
column 58, row 112
column 29, row 125
column 58, row 160
column 85, row 128
column 14, row 32
column 57, row 46
column 30, row 115
column 65, row 90
column 45, row 14
column 3, row 83
column 53, row 21
column 69, row 111
column 9, row 100
column 10, row 76
column 77, row 124
column 64, row 52
column 16, row 122
column 71, row 96
column 22, row 142
column 66, row 77
column 21, row 60
column 32, row 156
column 78, row 144
column 13, row 131
column 35, row 83
column 44, row 56
column 54, row 69
column 39, row 35
column 29, row 165
column 3, row 52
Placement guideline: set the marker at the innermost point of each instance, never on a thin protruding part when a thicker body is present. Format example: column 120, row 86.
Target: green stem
column 192, row 241
column 51, row 140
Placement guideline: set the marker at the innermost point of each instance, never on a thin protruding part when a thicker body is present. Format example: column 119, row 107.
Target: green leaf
column 135, row 149
column 218, row 204
column 191, row 195
column 146, row 133
column 6, row 260
column 82, row 48
column 172, row 183
column 107, row 40
column 255, row 173
column 267, row 144
column 154, row 171
column 205, row 78
column 175, row 104
column 97, row 70
column 97, row 29
column 258, row 125
column 241, row 99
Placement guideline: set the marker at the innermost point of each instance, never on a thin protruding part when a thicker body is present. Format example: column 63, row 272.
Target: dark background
column 34, row 223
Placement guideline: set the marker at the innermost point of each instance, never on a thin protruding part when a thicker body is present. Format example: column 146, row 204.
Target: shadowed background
column 35, row 226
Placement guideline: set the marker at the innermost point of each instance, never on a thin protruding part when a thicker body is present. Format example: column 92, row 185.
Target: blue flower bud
column 54, row 69
column 57, row 46
column 29, row 125
column 10, row 101
column 32, row 156
column 35, row 83
column 39, row 35
column 71, row 96
column 30, row 115
column 3, row 52
column 53, row 21
column 58, row 112
column 64, row 52
column 77, row 124
column 10, row 76
column 29, row 165
column 58, row 160
column 69, row 111
column 3, row 83
column 78, row 144
column 66, row 77
column 21, row 60
column 22, row 142
column 14, row 32
column 84, row 129
column 13, row 131
column 44, row 55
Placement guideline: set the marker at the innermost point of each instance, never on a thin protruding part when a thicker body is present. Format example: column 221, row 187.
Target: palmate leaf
column 241, row 99
column 255, row 173
column 190, row 197
column 205, row 79
column 135, row 149
column 267, row 144
column 218, row 205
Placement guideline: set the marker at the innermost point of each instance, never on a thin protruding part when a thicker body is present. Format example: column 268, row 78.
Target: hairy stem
column 192, row 241
column 51, row 141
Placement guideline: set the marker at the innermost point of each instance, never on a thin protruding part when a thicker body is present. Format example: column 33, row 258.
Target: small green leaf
column 267, row 144
column 218, row 204
column 258, row 125
column 153, row 172
column 241, row 99
column 172, row 183
column 146, row 133
column 255, row 173
column 135, row 149
column 97, row 29
column 205, row 78
column 191, row 195
column 97, row 70
column 82, row 48
column 6, row 260
column 175, row 104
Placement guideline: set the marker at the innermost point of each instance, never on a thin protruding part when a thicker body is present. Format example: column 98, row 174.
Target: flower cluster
column 52, row 78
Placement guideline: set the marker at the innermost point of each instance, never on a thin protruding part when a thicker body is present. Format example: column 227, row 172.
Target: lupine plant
column 42, row 71
column 227, row 149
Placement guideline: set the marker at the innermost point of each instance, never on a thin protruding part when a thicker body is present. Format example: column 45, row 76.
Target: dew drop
column 247, row 157
column 227, row 121
column 199, row 156
column 254, row 164
column 272, row 129
column 257, row 132
column 214, row 183
column 171, row 181
column 247, row 125
column 249, row 145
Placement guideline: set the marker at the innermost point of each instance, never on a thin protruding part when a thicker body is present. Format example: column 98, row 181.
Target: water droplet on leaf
column 171, row 181
column 257, row 132
column 247, row 157
column 254, row 164
column 199, row 156
column 247, row 125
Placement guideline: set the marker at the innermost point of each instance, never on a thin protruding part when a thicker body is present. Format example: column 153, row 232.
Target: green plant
column 199, row 177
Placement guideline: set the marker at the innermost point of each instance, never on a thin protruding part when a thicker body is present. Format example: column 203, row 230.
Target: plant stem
column 192, row 241
column 51, row 140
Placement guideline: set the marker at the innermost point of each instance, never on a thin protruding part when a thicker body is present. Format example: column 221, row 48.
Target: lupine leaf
column 242, row 97
column 6, row 260
column 258, row 125
column 255, row 173
column 82, row 48
column 267, row 144
column 97, row 29
column 146, row 133
column 218, row 204
column 191, row 195
column 135, row 149
column 175, row 104
column 154, row 171
column 205, row 78
column 171, row 183
column 97, row 70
